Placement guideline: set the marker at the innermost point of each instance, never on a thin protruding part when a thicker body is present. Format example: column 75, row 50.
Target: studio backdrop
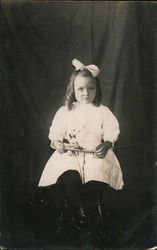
column 39, row 41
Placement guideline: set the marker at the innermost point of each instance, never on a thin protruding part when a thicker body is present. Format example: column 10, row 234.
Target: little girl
column 83, row 133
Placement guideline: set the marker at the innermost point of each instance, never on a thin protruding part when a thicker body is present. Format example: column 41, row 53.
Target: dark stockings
column 69, row 184
column 77, row 205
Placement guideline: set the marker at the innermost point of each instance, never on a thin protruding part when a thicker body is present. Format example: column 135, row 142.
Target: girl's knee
column 71, row 176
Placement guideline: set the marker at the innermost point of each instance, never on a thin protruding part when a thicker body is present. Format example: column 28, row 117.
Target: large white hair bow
column 92, row 68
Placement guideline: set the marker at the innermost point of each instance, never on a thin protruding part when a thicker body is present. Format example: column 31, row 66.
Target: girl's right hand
column 59, row 145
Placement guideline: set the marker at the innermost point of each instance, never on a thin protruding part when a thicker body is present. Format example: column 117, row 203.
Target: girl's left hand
column 102, row 149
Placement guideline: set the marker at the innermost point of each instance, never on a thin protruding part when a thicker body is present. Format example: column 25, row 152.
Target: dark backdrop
column 39, row 41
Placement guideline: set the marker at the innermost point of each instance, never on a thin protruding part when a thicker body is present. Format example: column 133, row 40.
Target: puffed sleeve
column 57, row 129
column 110, row 126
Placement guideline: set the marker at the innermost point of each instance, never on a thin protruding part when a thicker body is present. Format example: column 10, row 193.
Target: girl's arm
column 57, row 130
column 110, row 133
column 102, row 149
column 110, row 127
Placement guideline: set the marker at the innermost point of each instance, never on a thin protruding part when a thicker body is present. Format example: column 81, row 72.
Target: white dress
column 84, row 119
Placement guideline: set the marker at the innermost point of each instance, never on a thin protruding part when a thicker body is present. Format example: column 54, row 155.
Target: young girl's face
column 84, row 89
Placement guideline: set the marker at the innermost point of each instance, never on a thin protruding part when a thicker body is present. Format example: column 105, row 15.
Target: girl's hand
column 59, row 145
column 102, row 149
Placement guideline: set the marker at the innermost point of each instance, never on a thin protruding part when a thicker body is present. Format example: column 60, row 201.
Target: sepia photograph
column 78, row 125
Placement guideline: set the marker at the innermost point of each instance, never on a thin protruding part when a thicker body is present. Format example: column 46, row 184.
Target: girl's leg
column 55, row 207
column 97, row 200
column 72, row 184
column 92, row 200
column 69, row 219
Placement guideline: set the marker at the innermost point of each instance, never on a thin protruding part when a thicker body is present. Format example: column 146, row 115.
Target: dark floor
column 34, row 222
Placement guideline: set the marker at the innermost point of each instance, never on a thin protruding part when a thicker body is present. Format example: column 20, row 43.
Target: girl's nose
column 85, row 92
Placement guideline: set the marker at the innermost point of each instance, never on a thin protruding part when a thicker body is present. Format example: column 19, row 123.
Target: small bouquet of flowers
column 85, row 141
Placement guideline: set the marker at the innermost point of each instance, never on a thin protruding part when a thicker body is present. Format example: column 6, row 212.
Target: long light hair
column 70, row 93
